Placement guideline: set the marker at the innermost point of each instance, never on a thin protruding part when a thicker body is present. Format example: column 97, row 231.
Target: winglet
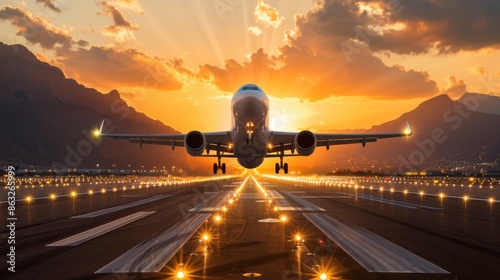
column 98, row 132
column 407, row 131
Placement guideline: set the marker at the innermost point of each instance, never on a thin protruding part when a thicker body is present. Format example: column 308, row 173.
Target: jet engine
column 305, row 142
column 195, row 143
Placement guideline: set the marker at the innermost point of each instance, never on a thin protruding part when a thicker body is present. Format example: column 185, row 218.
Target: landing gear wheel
column 215, row 168
column 277, row 168
column 285, row 168
column 223, row 168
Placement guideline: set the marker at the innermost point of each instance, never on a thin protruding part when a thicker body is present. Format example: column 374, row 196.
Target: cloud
column 313, row 65
column 477, row 70
column 268, row 15
column 449, row 26
column 254, row 30
column 127, row 4
column 36, row 30
column 49, row 4
column 456, row 87
column 120, row 23
column 110, row 67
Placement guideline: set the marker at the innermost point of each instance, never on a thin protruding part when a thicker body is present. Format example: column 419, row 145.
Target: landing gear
column 218, row 165
column 280, row 165
column 222, row 168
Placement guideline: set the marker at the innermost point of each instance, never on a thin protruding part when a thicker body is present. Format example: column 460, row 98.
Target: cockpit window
column 251, row 88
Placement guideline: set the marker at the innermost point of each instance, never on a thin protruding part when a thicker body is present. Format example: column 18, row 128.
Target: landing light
column 96, row 132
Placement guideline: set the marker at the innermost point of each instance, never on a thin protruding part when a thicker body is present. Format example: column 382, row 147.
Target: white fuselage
column 250, row 125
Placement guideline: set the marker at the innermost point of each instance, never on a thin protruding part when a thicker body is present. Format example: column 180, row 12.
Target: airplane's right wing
column 305, row 142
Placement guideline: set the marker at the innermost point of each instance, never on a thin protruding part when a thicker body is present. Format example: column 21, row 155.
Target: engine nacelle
column 305, row 142
column 195, row 143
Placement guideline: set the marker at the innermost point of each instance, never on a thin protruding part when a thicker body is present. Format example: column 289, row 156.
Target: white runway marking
column 325, row 196
column 153, row 254
column 303, row 203
column 78, row 239
column 205, row 205
column 122, row 207
column 397, row 203
column 373, row 252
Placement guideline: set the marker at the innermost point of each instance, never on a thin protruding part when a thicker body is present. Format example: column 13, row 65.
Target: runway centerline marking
column 153, row 254
column 121, row 207
column 82, row 237
column 373, row 252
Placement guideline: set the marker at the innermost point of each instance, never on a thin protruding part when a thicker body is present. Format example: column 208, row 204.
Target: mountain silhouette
column 447, row 135
column 47, row 120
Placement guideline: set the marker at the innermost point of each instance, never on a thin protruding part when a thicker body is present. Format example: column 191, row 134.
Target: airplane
column 250, row 139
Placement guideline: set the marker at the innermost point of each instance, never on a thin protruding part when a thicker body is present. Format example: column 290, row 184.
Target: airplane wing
column 215, row 140
column 285, row 141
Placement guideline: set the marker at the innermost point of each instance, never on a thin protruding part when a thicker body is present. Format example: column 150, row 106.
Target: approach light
column 323, row 276
column 180, row 275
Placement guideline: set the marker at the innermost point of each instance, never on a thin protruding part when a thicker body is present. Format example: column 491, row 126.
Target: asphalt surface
column 345, row 227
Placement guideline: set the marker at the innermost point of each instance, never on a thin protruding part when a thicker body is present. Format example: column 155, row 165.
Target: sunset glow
column 326, row 65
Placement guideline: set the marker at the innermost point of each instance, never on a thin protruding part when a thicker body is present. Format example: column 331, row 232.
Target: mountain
column 446, row 135
column 481, row 103
column 47, row 119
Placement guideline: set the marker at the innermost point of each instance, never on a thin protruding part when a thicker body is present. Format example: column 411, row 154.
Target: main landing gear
column 222, row 167
column 280, row 165
column 218, row 165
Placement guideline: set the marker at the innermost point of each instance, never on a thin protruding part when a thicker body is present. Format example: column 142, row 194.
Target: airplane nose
column 250, row 109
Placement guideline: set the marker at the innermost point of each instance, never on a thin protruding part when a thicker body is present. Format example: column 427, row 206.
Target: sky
column 326, row 65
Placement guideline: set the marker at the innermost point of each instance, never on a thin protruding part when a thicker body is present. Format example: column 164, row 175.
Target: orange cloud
column 49, row 4
column 447, row 25
column 254, row 30
column 36, row 30
column 477, row 70
column 110, row 67
column 127, row 4
column 121, row 26
column 268, row 15
column 324, row 58
column 456, row 88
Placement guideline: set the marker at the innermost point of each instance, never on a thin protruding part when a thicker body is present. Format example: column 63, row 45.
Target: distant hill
column 46, row 119
column 445, row 134
column 481, row 102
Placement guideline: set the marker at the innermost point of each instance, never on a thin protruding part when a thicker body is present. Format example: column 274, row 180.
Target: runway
column 271, row 227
